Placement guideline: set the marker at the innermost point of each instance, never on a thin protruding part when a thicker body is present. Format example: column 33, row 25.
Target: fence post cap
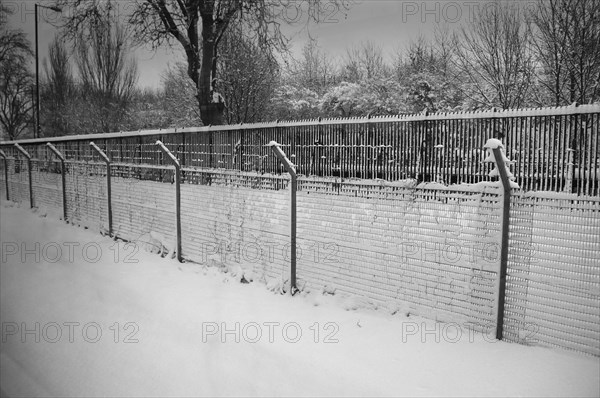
column 493, row 143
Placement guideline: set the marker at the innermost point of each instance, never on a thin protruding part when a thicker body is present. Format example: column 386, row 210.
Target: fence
column 554, row 149
column 553, row 282
column 426, row 249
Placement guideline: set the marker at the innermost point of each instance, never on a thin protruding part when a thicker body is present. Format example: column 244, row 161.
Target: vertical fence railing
column 554, row 149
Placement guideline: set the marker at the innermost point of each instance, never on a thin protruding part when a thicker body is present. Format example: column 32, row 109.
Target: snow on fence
column 554, row 149
column 553, row 283
column 424, row 249
column 440, row 251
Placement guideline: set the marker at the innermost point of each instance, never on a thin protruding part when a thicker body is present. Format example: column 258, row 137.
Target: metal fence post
column 505, row 175
column 570, row 171
column 108, row 186
column 28, row 156
column 5, row 173
column 177, row 194
column 289, row 166
column 63, row 170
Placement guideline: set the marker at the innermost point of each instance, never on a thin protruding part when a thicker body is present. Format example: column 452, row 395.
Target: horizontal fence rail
column 553, row 149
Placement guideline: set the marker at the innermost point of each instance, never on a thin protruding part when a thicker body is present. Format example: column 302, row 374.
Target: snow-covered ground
column 92, row 317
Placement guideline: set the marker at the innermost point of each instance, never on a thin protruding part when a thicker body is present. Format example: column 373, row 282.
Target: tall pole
column 36, row 132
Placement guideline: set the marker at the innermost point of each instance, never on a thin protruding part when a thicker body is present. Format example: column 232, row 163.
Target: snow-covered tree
column 425, row 73
column 292, row 103
column 371, row 97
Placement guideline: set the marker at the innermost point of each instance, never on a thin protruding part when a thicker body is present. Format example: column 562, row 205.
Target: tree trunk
column 211, row 110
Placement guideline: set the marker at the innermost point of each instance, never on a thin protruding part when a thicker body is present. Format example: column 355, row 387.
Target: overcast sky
column 389, row 23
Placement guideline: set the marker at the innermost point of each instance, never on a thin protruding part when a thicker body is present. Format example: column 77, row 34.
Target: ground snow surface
column 174, row 318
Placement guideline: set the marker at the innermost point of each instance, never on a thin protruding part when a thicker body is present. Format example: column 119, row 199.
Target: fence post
column 108, row 186
column 5, row 172
column 63, row 170
column 177, row 194
column 28, row 156
column 501, row 170
column 570, row 171
column 289, row 166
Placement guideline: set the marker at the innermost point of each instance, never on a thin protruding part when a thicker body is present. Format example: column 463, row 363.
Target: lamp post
column 36, row 132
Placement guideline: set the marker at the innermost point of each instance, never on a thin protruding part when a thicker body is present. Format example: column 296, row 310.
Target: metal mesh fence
column 86, row 194
column 18, row 180
column 555, row 149
column 553, row 276
column 47, row 184
column 237, row 220
column 143, row 205
column 427, row 249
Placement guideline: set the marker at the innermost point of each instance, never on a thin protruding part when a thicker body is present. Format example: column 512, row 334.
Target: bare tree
column 15, row 79
column 493, row 53
column 420, row 55
column 108, row 75
column 179, row 93
column 364, row 62
column 16, row 102
column 426, row 75
column 247, row 77
column 567, row 45
column 314, row 70
column 14, row 45
column 59, row 94
column 198, row 26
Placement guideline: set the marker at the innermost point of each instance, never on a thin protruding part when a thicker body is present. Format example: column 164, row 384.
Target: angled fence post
column 177, row 193
column 108, row 186
column 28, row 156
column 289, row 166
column 63, row 170
column 5, row 172
column 501, row 170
